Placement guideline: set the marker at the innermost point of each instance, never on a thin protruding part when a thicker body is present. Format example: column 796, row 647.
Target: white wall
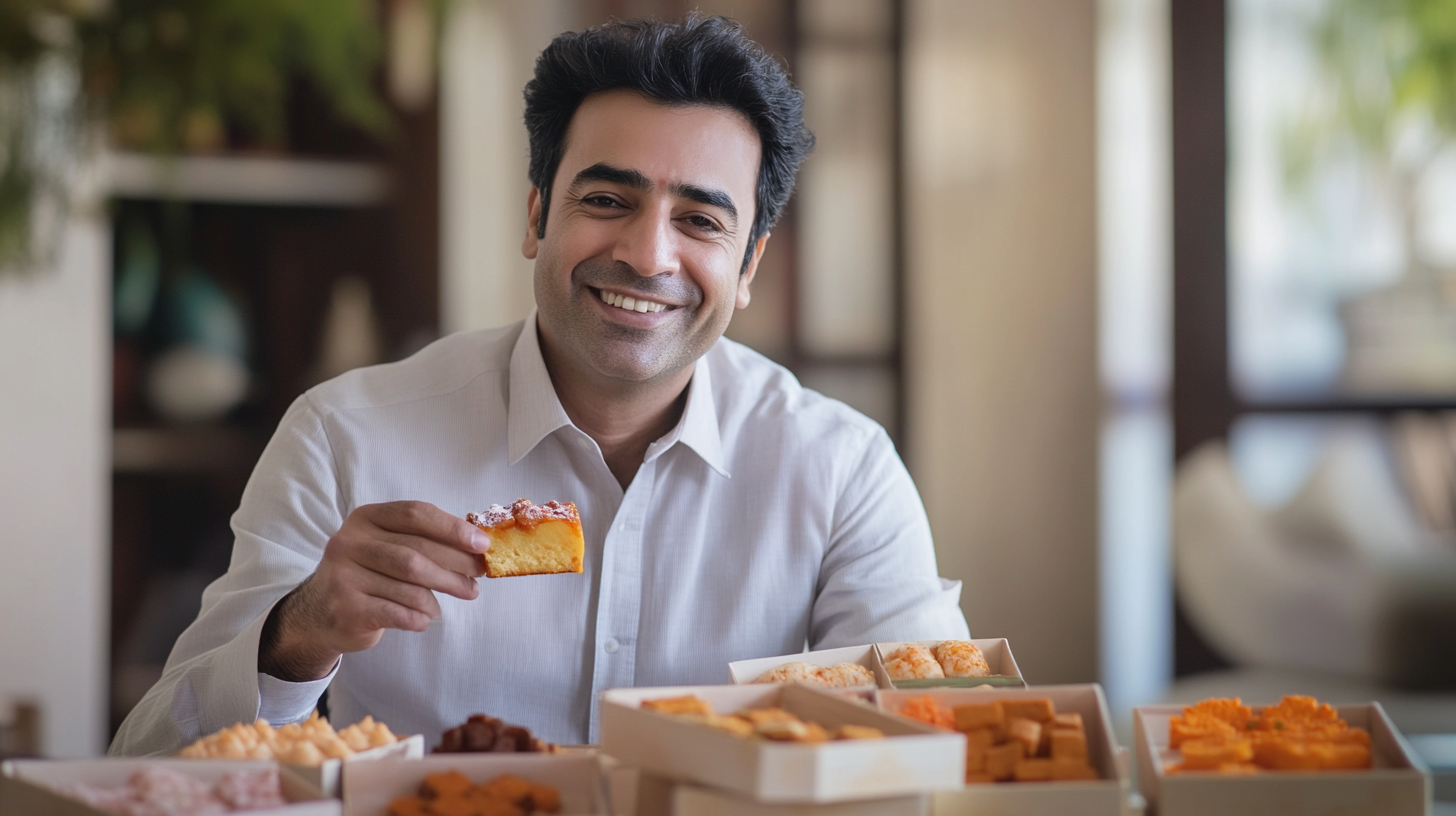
column 55, row 413
column 1003, row 391
column 489, row 52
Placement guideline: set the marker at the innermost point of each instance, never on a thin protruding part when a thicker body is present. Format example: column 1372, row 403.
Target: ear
column 746, row 279
column 532, row 244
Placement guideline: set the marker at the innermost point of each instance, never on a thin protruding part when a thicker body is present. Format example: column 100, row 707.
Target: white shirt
column 769, row 519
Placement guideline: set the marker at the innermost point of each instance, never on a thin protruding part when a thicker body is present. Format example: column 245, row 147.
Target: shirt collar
column 535, row 411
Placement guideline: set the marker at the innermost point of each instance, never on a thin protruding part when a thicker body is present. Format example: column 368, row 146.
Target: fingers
column 428, row 521
column 411, row 566
column 452, row 559
column 405, row 606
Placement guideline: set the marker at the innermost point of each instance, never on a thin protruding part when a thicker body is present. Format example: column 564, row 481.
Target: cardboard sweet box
column 911, row 759
column 1105, row 796
column 873, row 655
column 37, row 786
column 577, row 777
column 1398, row 784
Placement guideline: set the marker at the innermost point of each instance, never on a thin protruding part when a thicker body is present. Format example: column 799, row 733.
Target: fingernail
column 480, row 541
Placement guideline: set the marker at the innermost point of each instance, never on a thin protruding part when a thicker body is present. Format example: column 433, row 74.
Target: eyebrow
column 637, row 181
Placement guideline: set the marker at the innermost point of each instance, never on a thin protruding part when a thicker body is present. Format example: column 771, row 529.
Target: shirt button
column 611, row 645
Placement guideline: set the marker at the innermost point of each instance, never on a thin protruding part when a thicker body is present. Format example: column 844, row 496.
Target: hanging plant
column 165, row 76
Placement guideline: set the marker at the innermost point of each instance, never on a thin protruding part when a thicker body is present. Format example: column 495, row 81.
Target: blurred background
column 1158, row 301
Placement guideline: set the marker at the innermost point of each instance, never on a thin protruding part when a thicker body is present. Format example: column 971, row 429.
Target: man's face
column 651, row 206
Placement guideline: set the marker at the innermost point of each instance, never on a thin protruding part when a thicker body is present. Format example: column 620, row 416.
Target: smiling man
column 728, row 512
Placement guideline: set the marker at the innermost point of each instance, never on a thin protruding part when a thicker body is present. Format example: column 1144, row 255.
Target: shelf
column 247, row 180
column 202, row 449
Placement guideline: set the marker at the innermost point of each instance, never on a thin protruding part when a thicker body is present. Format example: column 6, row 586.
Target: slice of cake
column 531, row 539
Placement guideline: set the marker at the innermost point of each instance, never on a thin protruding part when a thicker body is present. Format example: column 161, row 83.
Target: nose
column 648, row 242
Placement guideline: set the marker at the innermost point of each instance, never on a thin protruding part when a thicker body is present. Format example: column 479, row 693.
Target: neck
column 624, row 418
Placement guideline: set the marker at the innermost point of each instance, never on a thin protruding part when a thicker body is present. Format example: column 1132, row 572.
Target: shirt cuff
column 280, row 701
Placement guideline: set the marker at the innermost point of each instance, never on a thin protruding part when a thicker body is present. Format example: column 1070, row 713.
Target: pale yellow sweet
column 307, row 743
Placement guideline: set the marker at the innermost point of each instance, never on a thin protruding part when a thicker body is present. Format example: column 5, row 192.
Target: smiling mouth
column 639, row 305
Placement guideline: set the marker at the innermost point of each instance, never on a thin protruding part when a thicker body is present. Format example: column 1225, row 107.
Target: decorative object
column 351, row 331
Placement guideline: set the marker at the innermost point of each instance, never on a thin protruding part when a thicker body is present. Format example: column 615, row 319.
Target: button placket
column 619, row 602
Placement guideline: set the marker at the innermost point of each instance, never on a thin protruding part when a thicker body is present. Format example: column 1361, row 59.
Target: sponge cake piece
column 531, row 539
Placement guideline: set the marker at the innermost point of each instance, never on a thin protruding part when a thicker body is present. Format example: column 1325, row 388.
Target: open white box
column 996, row 650
column 368, row 789
column 1104, row 797
column 747, row 671
column 1397, row 785
column 913, row 758
column 27, row 786
column 326, row 776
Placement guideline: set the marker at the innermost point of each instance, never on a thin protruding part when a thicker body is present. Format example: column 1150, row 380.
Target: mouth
column 630, row 303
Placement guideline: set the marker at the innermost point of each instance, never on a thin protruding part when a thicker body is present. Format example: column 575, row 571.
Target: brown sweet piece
column 1001, row 760
column 978, row 715
column 545, row 799
column 531, row 539
column 1039, row 710
column 407, row 806
column 1072, row 769
column 1033, row 770
column 483, row 734
column 978, row 742
column 1027, row 732
column 1069, row 744
column 760, row 716
column 686, row 704
column 448, row 783
column 452, row 805
column 979, row 779
column 509, row 787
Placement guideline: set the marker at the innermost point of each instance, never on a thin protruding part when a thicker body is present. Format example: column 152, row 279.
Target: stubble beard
column 627, row 353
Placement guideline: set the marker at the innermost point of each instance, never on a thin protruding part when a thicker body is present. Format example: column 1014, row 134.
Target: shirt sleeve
column 290, row 508
column 879, row 580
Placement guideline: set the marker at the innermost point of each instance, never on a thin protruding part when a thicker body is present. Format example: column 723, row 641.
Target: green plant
column 165, row 76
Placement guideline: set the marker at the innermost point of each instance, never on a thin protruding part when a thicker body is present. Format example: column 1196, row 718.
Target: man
column 728, row 513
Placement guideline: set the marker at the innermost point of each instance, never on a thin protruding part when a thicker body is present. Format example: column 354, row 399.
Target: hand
column 377, row 573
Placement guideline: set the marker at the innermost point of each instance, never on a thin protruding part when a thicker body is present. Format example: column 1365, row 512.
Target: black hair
column 700, row 61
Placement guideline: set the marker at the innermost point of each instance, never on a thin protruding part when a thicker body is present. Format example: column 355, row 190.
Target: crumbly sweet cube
column 1001, row 759
column 531, row 539
column 449, row 783
column 1027, row 732
column 1208, row 754
column 1073, row 769
column 1033, row 770
column 978, row 742
column 686, row 704
column 978, row 715
column 1068, row 719
column 1068, row 744
column 979, row 779
column 1341, row 756
column 1039, row 710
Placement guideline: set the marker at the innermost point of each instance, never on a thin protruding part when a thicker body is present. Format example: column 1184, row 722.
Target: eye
column 601, row 202
column 703, row 223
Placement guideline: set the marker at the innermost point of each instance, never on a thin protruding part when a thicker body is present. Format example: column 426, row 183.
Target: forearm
column 285, row 650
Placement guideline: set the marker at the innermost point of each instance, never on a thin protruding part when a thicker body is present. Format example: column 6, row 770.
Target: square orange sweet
column 1027, row 732
column 1001, row 760
column 1073, row 769
column 1039, row 710
column 1069, row 744
column 978, row 715
column 1033, row 770
column 978, row 742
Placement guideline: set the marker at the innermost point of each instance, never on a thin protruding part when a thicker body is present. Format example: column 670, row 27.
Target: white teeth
column 631, row 304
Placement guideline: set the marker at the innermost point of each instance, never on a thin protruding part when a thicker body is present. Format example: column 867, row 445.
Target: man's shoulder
column 441, row 368
column 749, row 388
